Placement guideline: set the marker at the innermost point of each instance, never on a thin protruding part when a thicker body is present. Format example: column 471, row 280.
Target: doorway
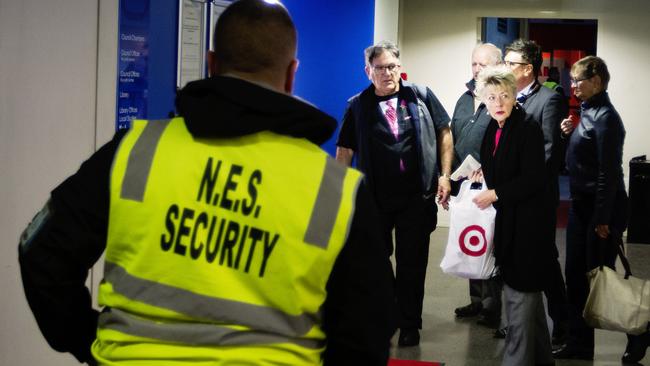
column 563, row 42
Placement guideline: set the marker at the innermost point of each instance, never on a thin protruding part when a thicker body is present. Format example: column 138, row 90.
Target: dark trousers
column 556, row 289
column 488, row 293
column 556, row 294
column 413, row 222
column 584, row 251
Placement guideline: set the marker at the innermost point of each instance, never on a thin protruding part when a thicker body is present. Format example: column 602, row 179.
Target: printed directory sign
column 133, row 50
column 191, row 41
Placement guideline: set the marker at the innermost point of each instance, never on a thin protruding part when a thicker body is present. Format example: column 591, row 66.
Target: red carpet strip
column 396, row 362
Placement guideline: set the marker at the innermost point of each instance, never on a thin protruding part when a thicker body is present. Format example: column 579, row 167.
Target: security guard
column 230, row 237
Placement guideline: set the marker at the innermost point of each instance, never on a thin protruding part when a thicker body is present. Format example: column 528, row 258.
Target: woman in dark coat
column 513, row 167
column 598, row 214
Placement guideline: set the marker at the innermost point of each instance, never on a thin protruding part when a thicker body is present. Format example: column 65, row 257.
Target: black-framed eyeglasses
column 381, row 68
column 514, row 63
column 576, row 81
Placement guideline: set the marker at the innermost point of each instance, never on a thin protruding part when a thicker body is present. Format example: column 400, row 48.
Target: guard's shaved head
column 254, row 37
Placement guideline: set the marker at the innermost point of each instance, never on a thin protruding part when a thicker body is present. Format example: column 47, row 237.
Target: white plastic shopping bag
column 471, row 232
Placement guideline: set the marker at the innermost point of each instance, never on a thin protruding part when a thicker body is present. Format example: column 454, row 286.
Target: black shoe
column 571, row 353
column 636, row 348
column 489, row 320
column 470, row 310
column 500, row 333
column 408, row 337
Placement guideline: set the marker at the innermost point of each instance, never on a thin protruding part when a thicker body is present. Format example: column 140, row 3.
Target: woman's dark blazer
column 517, row 173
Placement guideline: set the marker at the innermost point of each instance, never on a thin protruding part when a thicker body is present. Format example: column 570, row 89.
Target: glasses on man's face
column 514, row 63
column 493, row 98
column 575, row 81
column 380, row 69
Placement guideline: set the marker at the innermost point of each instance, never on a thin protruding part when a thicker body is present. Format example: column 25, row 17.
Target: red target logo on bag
column 472, row 241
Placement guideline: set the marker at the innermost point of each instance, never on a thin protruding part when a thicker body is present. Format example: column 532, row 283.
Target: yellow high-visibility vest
column 551, row 85
column 219, row 250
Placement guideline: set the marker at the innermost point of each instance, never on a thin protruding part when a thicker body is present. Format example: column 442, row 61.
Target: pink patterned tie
column 391, row 117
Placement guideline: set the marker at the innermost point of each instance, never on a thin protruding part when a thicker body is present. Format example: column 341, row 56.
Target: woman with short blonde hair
column 513, row 167
column 496, row 76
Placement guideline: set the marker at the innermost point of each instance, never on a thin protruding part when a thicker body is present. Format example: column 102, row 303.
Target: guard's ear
column 290, row 76
column 213, row 64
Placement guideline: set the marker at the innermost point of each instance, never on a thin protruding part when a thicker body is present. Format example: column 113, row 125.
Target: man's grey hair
column 379, row 48
column 496, row 56
column 499, row 76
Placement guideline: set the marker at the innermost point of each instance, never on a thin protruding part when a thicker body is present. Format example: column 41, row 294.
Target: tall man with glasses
column 400, row 137
column 548, row 108
column 468, row 126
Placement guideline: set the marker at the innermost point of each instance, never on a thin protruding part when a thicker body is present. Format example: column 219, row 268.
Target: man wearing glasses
column 547, row 108
column 399, row 134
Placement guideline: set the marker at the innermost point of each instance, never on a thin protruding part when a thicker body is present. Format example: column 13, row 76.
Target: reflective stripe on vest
column 220, row 243
column 323, row 216
column 205, row 307
column 137, row 171
column 194, row 333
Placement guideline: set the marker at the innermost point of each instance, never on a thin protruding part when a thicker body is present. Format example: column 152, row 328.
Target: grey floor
column 462, row 342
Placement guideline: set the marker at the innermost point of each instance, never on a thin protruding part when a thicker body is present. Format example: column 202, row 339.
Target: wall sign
column 132, row 72
column 191, row 41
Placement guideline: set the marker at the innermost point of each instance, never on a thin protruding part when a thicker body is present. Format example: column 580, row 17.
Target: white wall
column 48, row 104
column 106, row 70
column 437, row 37
column 386, row 20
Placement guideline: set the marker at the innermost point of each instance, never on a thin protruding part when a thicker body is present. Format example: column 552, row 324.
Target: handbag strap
column 621, row 254
column 620, row 248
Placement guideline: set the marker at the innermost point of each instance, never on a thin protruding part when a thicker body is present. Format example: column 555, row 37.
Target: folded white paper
column 466, row 169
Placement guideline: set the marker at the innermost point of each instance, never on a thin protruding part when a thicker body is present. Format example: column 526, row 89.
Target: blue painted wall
column 331, row 38
column 499, row 39
column 163, row 37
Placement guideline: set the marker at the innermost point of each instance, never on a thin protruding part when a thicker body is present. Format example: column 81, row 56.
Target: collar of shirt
column 596, row 100
column 525, row 91
column 383, row 105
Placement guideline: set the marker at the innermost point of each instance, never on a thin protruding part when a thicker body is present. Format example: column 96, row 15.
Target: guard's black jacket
column 69, row 235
